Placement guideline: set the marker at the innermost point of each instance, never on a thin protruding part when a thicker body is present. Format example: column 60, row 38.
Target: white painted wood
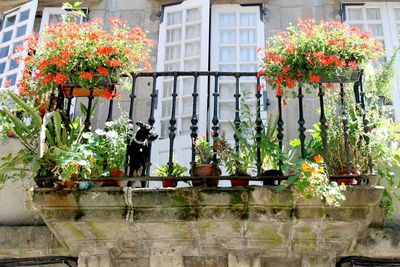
column 17, row 24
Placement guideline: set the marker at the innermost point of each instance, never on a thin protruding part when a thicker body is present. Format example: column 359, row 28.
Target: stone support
column 323, row 259
column 243, row 259
column 166, row 260
column 95, row 259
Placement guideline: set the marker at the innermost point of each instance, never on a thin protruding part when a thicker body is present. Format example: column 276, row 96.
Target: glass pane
column 227, row 128
column 167, row 88
column 247, row 53
column 7, row 36
column 247, row 36
column 227, row 67
column 227, row 91
column 360, row 26
column 248, row 67
column 227, row 54
column 24, row 15
column 18, row 46
column 397, row 13
column 172, row 52
column 373, row 14
column 192, row 49
column 55, row 18
column 248, row 19
column 227, row 36
column 172, row 66
column 166, row 108
column 13, row 64
column 11, row 79
column 186, row 123
column 164, row 128
column 4, row 51
column 376, row 29
column 354, row 14
column 192, row 65
column 174, row 35
column 227, row 19
column 21, row 31
column 188, row 86
column 187, row 104
column 174, row 18
column 193, row 14
column 226, row 111
column 248, row 90
column 10, row 21
column 2, row 66
column 193, row 31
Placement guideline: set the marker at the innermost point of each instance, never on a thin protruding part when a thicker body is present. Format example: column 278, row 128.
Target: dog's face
column 145, row 132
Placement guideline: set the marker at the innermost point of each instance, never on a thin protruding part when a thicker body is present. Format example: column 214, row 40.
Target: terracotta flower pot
column 70, row 184
column 114, row 182
column 205, row 170
column 11, row 134
column 348, row 180
column 239, row 182
column 169, row 183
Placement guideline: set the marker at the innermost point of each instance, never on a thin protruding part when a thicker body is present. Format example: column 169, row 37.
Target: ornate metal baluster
column 322, row 120
column 194, row 121
column 110, row 105
column 172, row 128
column 345, row 128
column 89, row 109
column 51, row 101
column 60, row 99
column 301, row 122
column 151, row 120
column 237, row 117
column 130, row 123
column 69, row 102
column 280, row 130
column 215, row 119
column 132, row 96
column 258, row 127
column 365, row 122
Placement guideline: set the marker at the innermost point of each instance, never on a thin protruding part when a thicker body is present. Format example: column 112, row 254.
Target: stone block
column 166, row 260
column 318, row 260
column 243, row 259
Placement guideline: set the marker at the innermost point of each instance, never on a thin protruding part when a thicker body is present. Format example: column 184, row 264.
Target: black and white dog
column 138, row 151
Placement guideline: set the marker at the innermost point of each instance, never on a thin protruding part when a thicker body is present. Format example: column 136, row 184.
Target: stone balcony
column 253, row 226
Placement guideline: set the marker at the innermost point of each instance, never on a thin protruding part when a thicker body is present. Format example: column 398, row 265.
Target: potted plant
column 43, row 140
column 177, row 171
column 80, row 56
column 204, row 157
column 238, row 165
column 308, row 53
column 309, row 179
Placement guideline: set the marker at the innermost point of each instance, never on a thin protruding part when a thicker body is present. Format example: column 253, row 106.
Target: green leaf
column 37, row 120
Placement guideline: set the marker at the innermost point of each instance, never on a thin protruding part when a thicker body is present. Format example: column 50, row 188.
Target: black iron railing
column 213, row 94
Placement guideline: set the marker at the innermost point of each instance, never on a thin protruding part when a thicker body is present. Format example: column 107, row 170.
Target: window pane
column 373, row 14
column 227, row 111
column 13, row 64
column 227, row 37
column 164, row 128
column 247, row 19
column 360, row 26
column 227, row 19
column 4, row 51
column 172, row 52
column 11, row 79
column 166, row 108
column 397, row 13
column 248, row 67
column 10, row 21
column 174, row 18
column 247, row 53
column 248, row 90
column 7, row 36
column 247, row 36
column 173, row 35
column 2, row 66
column 192, row 49
column 186, row 123
column 172, row 66
column 227, row 67
column 167, row 88
column 227, row 91
column 188, row 84
column 193, row 31
column 187, row 104
column 227, row 54
column 354, row 14
column 21, row 31
column 193, row 14
column 24, row 15
column 54, row 18
column 192, row 65
column 376, row 29
column 18, row 46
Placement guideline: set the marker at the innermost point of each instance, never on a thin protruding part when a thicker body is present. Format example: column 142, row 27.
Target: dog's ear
column 139, row 123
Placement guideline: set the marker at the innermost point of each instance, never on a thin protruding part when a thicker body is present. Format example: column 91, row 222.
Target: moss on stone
column 271, row 235
column 74, row 231
column 239, row 203
column 189, row 203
